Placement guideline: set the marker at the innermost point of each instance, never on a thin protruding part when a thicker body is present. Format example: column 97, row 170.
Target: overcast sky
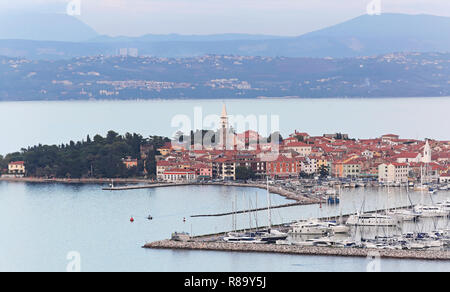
column 278, row 17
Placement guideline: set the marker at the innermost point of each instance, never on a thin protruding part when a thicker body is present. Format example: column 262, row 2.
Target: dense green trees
column 100, row 157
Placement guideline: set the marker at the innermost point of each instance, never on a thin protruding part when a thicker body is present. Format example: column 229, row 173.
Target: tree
column 324, row 171
column 99, row 158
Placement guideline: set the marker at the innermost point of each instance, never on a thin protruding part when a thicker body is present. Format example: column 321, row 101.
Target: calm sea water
column 29, row 123
column 42, row 223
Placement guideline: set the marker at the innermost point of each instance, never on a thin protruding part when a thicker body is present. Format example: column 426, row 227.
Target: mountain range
column 65, row 37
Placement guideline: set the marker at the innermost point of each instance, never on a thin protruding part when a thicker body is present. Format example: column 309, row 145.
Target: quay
column 299, row 250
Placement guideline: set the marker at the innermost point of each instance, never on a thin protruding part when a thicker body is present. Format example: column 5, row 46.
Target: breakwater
column 299, row 250
column 301, row 199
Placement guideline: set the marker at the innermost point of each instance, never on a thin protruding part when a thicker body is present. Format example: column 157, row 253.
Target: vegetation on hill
column 100, row 157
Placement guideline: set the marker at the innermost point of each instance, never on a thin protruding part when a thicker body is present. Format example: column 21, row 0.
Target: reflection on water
column 41, row 223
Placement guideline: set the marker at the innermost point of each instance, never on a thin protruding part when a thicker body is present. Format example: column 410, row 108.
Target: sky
column 274, row 17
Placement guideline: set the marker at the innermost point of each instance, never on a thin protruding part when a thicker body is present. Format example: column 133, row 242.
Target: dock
column 301, row 199
column 250, row 211
column 299, row 250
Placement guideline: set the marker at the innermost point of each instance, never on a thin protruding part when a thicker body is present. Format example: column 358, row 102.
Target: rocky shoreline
column 299, row 250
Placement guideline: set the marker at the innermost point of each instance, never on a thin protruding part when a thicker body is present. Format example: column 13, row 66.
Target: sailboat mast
column 269, row 206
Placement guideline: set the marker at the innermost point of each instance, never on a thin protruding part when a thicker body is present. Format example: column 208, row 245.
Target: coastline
column 149, row 184
column 76, row 181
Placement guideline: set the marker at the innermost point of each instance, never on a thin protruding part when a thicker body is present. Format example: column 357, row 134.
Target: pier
column 299, row 250
column 301, row 199
column 249, row 211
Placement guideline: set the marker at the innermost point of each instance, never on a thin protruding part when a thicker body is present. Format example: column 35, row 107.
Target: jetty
column 249, row 211
column 300, row 198
column 299, row 250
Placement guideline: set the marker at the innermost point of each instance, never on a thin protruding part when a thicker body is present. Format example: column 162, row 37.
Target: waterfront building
column 444, row 178
column 283, row 167
column 393, row 173
column 130, row 162
column 179, row 176
column 17, row 167
column 349, row 169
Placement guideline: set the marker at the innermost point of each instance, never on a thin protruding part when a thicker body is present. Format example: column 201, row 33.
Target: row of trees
column 100, row 157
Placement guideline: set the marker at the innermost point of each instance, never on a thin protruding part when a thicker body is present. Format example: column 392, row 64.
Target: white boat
column 444, row 206
column 310, row 228
column 372, row 220
column 443, row 188
column 241, row 238
column 337, row 228
column 416, row 245
column 404, row 215
column 308, row 242
column 430, row 211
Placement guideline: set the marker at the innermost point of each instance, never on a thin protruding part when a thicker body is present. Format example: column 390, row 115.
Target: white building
column 179, row 176
column 393, row 173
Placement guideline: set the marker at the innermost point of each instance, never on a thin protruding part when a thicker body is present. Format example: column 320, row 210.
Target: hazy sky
column 279, row 17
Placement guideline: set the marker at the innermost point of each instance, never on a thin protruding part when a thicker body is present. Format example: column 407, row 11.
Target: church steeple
column 224, row 128
column 427, row 153
column 224, row 117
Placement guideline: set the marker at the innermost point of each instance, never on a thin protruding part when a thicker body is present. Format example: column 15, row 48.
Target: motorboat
column 234, row 237
column 404, row 215
column 372, row 220
column 310, row 228
column 271, row 236
column 430, row 211
column 337, row 228
column 445, row 206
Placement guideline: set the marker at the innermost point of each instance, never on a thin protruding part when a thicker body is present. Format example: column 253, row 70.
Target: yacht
column 404, row 215
column 337, row 228
column 443, row 188
column 430, row 211
column 242, row 238
column 444, row 206
column 272, row 236
column 372, row 220
column 310, row 228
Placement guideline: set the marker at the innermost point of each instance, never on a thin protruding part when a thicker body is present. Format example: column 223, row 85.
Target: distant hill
column 187, row 38
column 363, row 36
column 208, row 77
column 44, row 27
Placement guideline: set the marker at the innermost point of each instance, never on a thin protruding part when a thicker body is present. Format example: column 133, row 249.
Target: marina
column 347, row 235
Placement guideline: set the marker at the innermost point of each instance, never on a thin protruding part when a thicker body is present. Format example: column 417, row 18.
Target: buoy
column 132, row 220
column 184, row 220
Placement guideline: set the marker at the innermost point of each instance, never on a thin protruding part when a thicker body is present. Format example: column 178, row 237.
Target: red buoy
column 132, row 220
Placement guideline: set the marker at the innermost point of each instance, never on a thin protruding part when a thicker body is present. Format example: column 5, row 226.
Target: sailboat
column 271, row 235
column 266, row 236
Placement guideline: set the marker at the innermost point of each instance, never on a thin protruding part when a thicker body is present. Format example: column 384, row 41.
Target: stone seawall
column 299, row 250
